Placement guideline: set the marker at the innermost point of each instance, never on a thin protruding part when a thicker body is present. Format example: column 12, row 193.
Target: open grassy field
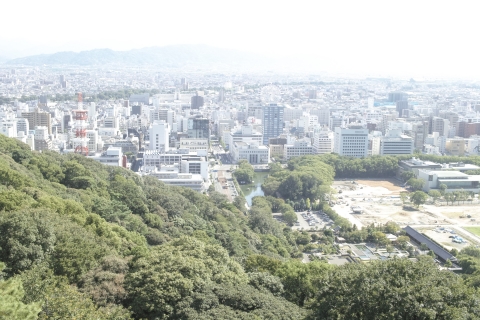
column 474, row 230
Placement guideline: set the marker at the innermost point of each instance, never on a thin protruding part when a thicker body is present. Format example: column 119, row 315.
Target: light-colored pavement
column 223, row 182
column 322, row 220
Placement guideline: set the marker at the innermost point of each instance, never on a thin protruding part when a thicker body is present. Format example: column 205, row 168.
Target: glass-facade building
column 272, row 121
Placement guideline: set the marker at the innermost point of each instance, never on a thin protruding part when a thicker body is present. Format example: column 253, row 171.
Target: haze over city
column 239, row 160
column 409, row 39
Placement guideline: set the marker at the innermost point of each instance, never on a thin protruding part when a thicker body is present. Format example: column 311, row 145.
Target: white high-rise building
column 22, row 125
column 92, row 144
column 395, row 143
column 159, row 136
column 351, row 141
column 323, row 142
column 41, row 139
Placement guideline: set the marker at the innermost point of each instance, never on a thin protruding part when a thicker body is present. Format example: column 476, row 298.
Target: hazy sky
column 385, row 37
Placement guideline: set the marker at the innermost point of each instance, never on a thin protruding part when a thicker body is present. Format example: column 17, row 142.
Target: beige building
column 455, row 146
column 38, row 118
column 276, row 150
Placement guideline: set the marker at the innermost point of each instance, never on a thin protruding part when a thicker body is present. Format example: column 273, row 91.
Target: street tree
column 407, row 175
column 418, row 198
column 416, row 184
column 435, row 194
column 443, row 188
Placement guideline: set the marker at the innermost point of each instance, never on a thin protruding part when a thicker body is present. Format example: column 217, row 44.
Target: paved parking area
column 312, row 221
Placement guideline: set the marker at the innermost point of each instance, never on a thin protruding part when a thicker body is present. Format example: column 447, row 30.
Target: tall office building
column 197, row 102
column 272, row 121
column 184, row 84
column 41, row 139
column 395, row 143
column 221, row 95
column 137, row 109
column 198, row 128
column 440, row 125
column 38, row 119
column 159, row 136
column 351, row 141
column 323, row 115
column 22, row 125
column 323, row 142
column 419, row 134
column 401, row 105
column 397, row 96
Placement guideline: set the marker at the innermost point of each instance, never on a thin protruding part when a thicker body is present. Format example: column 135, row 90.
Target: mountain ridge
column 168, row 56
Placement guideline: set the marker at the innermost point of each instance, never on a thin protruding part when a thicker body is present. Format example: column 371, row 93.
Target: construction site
column 364, row 202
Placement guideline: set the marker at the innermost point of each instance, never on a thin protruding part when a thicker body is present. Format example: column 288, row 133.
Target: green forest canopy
column 82, row 240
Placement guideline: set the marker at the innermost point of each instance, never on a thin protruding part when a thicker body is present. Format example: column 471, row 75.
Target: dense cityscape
column 356, row 169
column 246, row 160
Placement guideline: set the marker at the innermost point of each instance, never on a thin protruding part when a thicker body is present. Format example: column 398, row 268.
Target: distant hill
column 169, row 56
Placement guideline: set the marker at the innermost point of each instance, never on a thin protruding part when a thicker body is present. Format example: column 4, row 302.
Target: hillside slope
column 199, row 56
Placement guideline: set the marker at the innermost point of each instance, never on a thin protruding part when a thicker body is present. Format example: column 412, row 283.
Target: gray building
column 198, row 128
column 140, row 98
column 272, row 121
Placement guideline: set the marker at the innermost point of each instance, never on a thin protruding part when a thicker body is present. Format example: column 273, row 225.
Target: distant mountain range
column 177, row 56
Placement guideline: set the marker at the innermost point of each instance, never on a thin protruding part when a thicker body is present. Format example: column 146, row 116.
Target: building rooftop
column 438, row 250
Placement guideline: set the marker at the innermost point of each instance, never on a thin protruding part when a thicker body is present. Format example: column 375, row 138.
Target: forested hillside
column 80, row 240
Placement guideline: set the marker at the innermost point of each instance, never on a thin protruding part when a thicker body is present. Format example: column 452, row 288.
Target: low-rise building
column 113, row 156
column 297, row 149
column 454, row 180
column 171, row 175
column 252, row 152
column 194, row 144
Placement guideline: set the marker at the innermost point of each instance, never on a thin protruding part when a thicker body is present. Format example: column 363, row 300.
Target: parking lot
column 312, row 221
column 222, row 179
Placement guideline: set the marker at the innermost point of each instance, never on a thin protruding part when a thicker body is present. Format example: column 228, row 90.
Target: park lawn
column 474, row 230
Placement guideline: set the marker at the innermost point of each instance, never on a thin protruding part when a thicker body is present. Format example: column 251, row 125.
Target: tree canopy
column 82, row 240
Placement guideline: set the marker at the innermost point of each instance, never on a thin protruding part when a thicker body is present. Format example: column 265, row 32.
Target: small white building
column 112, row 157
column 245, row 133
column 194, row 144
column 298, row 148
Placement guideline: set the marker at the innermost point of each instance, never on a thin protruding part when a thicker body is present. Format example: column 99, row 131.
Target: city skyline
column 424, row 39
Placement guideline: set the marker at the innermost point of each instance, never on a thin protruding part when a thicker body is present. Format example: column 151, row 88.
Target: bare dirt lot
column 380, row 202
column 391, row 185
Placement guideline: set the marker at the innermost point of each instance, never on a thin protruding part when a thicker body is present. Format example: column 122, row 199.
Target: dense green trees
column 86, row 241
column 305, row 178
column 26, row 239
column 244, row 173
column 189, row 279
column 11, row 304
column 418, row 198
column 416, row 184
column 395, row 289
column 370, row 167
